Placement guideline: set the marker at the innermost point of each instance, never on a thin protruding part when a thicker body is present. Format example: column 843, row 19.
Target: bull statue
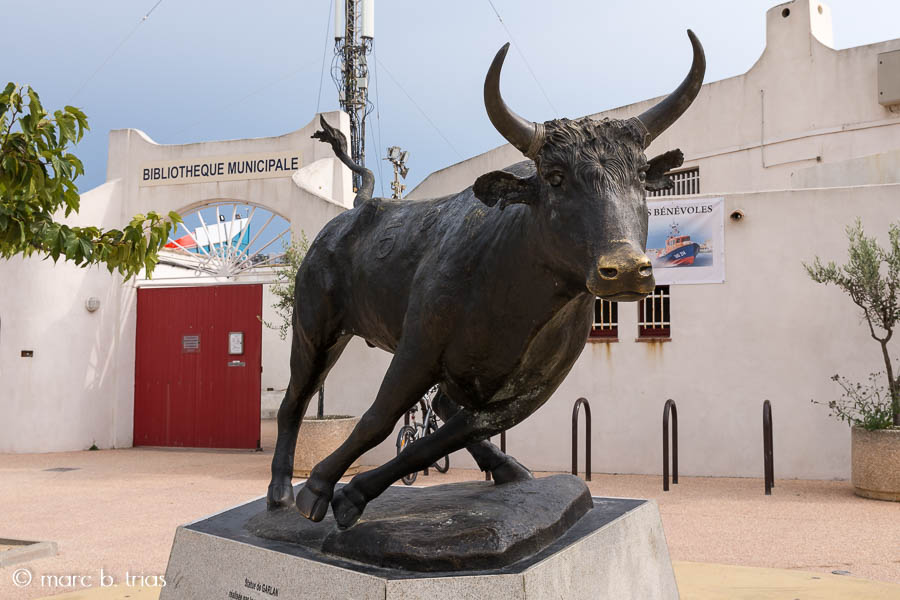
column 488, row 292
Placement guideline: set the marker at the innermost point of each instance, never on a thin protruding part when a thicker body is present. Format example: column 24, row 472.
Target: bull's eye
column 555, row 179
column 642, row 173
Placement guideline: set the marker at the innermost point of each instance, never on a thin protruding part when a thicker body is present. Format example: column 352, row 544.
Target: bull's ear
column 505, row 188
column 659, row 166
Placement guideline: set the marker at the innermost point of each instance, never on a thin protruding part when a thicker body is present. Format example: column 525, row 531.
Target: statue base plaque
column 464, row 540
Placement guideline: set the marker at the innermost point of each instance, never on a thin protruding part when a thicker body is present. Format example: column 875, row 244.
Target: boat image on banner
column 686, row 240
column 679, row 251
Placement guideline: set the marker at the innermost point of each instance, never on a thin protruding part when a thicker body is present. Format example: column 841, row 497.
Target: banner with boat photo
column 686, row 240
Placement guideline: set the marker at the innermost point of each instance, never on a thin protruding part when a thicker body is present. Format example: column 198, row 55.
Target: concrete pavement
column 119, row 509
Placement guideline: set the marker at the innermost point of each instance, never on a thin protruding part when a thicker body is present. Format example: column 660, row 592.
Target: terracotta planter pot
column 875, row 463
column 320, row 437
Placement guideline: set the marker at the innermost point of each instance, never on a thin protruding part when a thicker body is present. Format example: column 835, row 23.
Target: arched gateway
column 199, row 333
column 153, row 361
column 198, row 343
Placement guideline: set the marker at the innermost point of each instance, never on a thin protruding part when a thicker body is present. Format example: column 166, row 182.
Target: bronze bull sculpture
column 488, row 292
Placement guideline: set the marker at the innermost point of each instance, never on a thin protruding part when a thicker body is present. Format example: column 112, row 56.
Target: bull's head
column 590, row 182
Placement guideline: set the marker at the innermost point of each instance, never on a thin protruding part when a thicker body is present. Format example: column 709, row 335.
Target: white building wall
column 64, row 397
column 275, row 351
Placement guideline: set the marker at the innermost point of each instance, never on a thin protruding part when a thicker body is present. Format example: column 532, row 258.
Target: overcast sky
column 201, row 70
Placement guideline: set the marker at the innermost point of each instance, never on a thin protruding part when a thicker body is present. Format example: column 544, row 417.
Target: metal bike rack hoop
column 587, row 438
column 670, row 407
column 768, row 453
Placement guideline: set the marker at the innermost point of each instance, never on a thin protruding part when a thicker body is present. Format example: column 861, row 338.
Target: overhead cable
column 324, row 54
column 419, row 108
column 116, row 49
column 261, row 88
column 378, row 121
column 519, row 50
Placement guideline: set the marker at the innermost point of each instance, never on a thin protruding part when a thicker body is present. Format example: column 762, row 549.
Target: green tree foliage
column 37, row 182
column 283, row 288
column 872, row 280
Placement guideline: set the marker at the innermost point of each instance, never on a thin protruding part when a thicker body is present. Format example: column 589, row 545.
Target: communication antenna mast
column 398, row 158
column 354, row 31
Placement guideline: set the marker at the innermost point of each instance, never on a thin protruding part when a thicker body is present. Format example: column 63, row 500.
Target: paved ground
column 119, row 509
column 696, row 581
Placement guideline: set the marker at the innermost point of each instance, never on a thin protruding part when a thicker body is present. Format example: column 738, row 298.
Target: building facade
column 68, row 373
column 797, row 148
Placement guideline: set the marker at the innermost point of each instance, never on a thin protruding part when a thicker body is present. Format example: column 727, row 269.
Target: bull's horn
column 526, row 136
column 657, row 119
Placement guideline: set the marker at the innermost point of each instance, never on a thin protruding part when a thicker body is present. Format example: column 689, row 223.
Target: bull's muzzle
column 624, row 275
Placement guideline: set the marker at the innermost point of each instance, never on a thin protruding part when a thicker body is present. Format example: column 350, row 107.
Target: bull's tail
column 338, row 143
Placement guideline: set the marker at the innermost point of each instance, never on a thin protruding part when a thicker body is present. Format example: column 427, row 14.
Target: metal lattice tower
column 354, row 30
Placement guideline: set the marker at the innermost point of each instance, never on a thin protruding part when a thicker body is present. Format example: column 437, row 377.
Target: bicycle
column 414, row 431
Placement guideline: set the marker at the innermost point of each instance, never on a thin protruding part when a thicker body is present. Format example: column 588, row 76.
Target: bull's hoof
column 347, row 506
column 280, row 496
column 313, row 499
column 510, row 470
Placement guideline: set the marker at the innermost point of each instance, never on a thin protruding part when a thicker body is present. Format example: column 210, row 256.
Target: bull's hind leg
column 407, row 379
column 315, row 348
column 502, row 467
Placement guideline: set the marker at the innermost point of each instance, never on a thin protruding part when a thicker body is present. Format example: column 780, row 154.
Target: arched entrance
column 199, row 329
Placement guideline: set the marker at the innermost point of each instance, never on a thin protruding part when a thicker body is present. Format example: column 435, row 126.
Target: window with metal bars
column 654, row 314
column 686, row 182
column 606, row 319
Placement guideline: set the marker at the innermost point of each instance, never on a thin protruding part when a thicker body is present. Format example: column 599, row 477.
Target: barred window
column 606, row 319
column 654, row 320
column 686, row 182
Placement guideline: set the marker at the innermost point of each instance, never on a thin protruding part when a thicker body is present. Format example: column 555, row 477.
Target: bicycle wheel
column 406, row 437
column 442, row 464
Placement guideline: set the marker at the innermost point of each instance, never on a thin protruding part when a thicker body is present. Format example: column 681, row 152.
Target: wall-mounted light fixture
column 737, row 215
column 92, row 303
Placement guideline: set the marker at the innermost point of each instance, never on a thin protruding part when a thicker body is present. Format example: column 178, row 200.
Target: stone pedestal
column 616, row 551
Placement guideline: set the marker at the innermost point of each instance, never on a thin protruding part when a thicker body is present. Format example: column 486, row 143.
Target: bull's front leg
column 461, row 430
column 490, row 459
column 409, row 376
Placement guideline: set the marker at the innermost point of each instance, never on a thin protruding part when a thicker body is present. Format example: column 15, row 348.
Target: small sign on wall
column 235, row 342
column 190, row 344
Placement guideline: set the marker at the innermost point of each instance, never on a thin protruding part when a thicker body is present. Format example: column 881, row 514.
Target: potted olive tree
column 320, row 435
column 872, row 280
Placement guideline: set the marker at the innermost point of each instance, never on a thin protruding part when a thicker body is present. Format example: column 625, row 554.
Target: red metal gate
column 197, row 366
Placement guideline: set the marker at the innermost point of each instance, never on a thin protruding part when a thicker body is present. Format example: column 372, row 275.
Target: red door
column 197, row 366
